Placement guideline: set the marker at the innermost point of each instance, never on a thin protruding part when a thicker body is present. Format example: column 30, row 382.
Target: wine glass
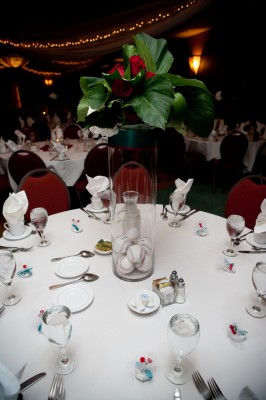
column 259, row 282
column 183, row 334
column 57, row 328
column 176, row 201
column 39, row 218
column 235, row 225
column 7, row 273
column 105, row 197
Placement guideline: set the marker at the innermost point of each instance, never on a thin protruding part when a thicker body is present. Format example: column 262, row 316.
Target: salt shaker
column 180, row 291
column 173, row 279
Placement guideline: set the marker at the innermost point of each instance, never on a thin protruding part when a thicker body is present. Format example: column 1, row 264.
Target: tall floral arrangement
column 142, row 91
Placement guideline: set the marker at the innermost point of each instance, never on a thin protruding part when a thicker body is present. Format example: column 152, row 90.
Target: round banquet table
column 108, row 337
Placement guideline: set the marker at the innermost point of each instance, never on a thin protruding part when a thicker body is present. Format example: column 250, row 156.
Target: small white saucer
column 185, row 209
column 91, row 209
column 7, row 235
column 250, row 240
column 102, row 252
column 76, row 298
column 71, row 267
column 147, row 310
column 34, row 148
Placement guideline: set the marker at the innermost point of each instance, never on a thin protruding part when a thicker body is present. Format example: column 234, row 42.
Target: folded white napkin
column 104, row 131
column 97, row 184
column 9, row 384
column 59, row 147
column 21, row 137
column 212, row 136
column 183, row 187
column 57, row 133
column 12, row 145
column 15, row 207
column 260, row 225
column 30, row 121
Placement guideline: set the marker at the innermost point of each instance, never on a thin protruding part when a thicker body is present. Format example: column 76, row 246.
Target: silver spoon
column 162, row 213
column 165, row 214
column 85, row 277
column 82, row 253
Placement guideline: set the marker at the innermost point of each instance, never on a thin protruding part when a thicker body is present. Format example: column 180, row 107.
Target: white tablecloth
column 108, row 337
column 211, row 149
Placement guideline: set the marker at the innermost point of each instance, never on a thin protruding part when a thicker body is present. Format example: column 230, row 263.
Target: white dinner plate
column 250, row 240
column 147, row 310
column 76, row 298
column 7, row 235
column 185, row 209
column 71, row 267
column 34, row 148
column 91, row 209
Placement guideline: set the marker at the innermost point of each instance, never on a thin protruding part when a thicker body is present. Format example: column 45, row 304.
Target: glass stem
column 256, row 307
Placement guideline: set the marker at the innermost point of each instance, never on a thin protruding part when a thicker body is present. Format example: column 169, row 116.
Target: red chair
column 245, row 198
column 45, row 188
column 133, row 176
column 71, row 131
column 21, row 162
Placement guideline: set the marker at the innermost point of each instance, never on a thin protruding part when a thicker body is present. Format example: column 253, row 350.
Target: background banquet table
column 211, row 149
column 108, row 337
column 69, row 169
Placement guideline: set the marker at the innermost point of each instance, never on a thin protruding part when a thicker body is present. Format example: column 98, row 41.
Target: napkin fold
column 9, row 384
column 183, row 187
column 15, row 207
column 57, row 133
column 97, row 184
column 11, row 145
column 260, row 225
column 21, row 137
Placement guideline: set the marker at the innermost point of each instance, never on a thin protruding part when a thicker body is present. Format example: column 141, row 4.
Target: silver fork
column 216, row 392
column 56, row 390
column 202, row 386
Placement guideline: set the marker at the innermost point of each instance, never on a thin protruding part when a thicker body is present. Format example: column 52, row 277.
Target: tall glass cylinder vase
column 133, row 183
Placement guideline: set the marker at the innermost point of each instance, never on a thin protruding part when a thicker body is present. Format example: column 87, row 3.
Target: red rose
column 130, row 115
column 136, row 64
column 120, row 68
column 142, row 359
column 121, row 88
column 149, row 74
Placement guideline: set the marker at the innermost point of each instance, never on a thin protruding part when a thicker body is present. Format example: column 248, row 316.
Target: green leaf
column 86, row 83
column 154, row 104
column 107, row 118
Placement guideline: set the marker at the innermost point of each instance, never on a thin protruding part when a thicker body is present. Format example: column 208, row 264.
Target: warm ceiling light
column 48, row 81
column 194, row 63
column 13, row 61
column 191, row 32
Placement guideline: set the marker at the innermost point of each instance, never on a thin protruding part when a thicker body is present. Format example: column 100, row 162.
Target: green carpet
column 199, row 197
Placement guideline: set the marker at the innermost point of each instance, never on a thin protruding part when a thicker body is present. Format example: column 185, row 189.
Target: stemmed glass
column 57, row 328
column 176, row 201
column 7, row 273
column 235, row 225
column 183, row 333
column 39, row 218
column 105, row 197
column 259, row 282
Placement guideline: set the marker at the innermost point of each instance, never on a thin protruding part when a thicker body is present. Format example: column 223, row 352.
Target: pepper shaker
column 180, row 291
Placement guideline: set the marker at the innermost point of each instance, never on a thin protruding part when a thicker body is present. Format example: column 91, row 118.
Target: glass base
column 65, row 365
column 256, row 311
column 174, row 224
column 230, row 252
column 11, row 300
column 44, row 243
column 177, row 374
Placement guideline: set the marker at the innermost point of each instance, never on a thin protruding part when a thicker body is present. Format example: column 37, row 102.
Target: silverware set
column 57, row 391
column 14, row 249
column 183, row 216
column 210, row 391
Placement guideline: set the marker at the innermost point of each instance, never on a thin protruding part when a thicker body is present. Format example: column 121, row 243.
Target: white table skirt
column 211, row 150
column 108, row 337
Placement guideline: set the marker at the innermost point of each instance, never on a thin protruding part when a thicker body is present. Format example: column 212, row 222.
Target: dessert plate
column 250, row 240
column 148, row 309
column 75, row 298
column 101, row 250
column 7, row 235
column 70, row 267
column 91, row 209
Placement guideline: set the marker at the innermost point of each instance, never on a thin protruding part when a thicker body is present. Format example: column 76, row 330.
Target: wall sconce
column 194, row 63
column 13, row 61
column 48, row 81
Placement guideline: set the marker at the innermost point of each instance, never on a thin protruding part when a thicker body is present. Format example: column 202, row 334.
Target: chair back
column 71, row 131
column 96, row 161
column 260, row 161
column 245, row 198
column 45, row 188
column 21, row 162
column 233, row 147
column 133, row 176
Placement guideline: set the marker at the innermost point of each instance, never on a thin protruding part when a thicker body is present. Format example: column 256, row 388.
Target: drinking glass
column 235, row 225
column 7, row 273
column 183, row 334
column 57, row 328
column 39, row 218
column 259, row 281
column 176, row 201
column 105, row 197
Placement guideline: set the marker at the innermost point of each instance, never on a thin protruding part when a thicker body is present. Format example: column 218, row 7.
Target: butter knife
column 252, row 251
column 188, row 215
column 26, row 384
